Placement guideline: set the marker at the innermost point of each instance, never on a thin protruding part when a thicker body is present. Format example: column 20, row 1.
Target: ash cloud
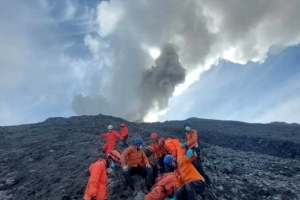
column 205, row 32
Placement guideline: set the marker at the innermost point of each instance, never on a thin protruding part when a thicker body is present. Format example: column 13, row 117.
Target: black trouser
column 143, row 171
column 154, row 173
column 198, row 164
column 125, row 142
column 161, row 164
column 190, row 190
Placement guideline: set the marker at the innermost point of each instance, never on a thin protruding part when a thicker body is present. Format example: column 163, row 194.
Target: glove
column 189, row 153
column 174, row 198
column 148, row 166
column 93, row 198
column 183, row 145
column 125, row 168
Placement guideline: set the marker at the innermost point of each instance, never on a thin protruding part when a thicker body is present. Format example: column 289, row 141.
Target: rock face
column 49, row 160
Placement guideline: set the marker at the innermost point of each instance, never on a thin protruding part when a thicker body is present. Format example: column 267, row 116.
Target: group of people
column 171, row 168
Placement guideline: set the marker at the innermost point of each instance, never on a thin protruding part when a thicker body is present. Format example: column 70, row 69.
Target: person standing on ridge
column 193, row 182
column 191, row 142
column 159, row 151
column 111, row 137
column 99, row 170
column 124, row 134
column 137, row 163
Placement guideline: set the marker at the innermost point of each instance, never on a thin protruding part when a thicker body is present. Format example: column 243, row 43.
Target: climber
column 191, row 142
column 99, row 170
column 149, row 154
column 124, row 134
column 159, row 151
column 164, row 187
column 110, row 136
column 193, row 182
column 137, row 163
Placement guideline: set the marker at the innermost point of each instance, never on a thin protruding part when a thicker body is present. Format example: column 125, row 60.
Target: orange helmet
column 153, row 136
column 150, row 148
column 115, row 155
column 161, row 142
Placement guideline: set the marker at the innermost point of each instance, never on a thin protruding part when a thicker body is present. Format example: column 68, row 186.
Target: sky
column 150, row 60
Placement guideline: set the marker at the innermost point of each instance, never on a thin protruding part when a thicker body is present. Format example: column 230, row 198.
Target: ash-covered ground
column 49, row 160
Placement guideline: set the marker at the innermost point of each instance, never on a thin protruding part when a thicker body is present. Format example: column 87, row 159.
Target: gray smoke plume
column 159, row 82
column 156, row 85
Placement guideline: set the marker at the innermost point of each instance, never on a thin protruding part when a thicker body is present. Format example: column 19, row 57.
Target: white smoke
column 204, row 32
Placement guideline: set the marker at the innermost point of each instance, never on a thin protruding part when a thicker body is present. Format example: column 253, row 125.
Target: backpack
column 167, row 182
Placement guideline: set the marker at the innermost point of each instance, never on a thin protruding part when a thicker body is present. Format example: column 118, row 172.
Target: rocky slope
column 49, row 160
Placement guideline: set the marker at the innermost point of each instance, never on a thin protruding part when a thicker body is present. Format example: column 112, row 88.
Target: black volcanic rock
column 49, row 160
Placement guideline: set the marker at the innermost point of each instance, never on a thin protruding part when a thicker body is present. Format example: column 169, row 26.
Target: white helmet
column 110, row 127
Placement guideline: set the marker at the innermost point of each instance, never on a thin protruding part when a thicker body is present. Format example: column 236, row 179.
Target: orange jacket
column 173, row 147
column 191, row 138
column 96, row 185
column 187, row 170
column 164, row 187
column 179, row 181
column 124, row 131
column 158, row 151
column 134, row 157
column 111, row 137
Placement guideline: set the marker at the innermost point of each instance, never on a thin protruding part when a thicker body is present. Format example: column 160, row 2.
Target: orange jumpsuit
column 158, row 151
column 134, row 157
column 164, row 187
column 173, row 147
column 124, row 131
column 111, row 137
column 96, row 185
column 187, row 170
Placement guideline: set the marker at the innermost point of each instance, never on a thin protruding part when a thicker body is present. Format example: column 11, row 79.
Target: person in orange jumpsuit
column 159, row 151
column 191, row 138
column 149, row 153
column 124, row 134
column 111, row 137
column 96, row 186
column 137, row 163
column 164, row 187
column 193, row 182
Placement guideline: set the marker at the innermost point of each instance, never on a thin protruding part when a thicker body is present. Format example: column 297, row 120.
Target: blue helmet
column 186, row 123
column 168, row 159
column 138, row 141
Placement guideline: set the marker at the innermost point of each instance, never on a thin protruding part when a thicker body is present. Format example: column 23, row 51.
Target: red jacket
column 124, row 131
column 96, row 185
column 111, row 137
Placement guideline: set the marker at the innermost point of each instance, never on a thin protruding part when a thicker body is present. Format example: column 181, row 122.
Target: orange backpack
column 167, row 182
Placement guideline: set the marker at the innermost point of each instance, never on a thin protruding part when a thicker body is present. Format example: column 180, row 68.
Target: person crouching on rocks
column 111, row 137
column 159, row 151
column 193, row 182
column 124, row 134
column 99, row 170
column 137, row 163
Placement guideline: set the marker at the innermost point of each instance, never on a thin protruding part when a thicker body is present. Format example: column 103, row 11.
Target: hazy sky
column 150, row 59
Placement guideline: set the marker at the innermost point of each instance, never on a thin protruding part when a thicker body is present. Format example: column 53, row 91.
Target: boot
column 135, row 190
column 145, row 190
